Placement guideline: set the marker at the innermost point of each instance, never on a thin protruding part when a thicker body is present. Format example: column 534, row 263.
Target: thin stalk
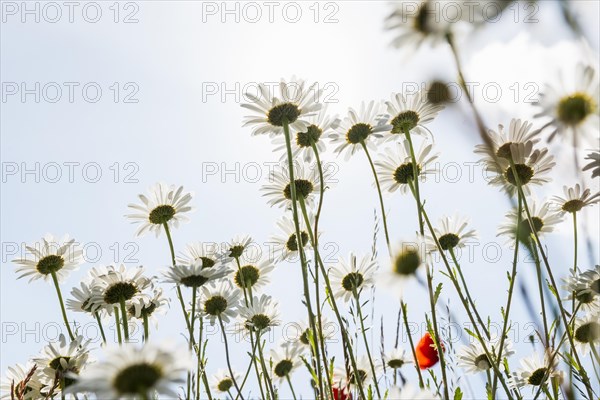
column 334, row 306
column 364, row 335
column 262, row 393
column 99, row 321
column 124, row 321
column 146, row 330
column 248, row 369
column 118, row 325
column 383, row 216
column 287, row 377
column 415, row 170
column 62, row 305
column 412, row 344
column 511, row 286
column 294, row 199
column 538, row 270
column 267, row 376
column 228, row 359
column 563, row 314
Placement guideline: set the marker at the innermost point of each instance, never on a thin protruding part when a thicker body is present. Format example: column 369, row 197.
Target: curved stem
column 228, row 359
column 412, row 344
column 267, row 376
column 99, row 321
column 415, row 170
column 287, row 377
column 118, row 325
column 538, row 271
column 62, row 305
column 146, row 329
column 364, row 335
column 248, row 369
column 255, row 346
column 383, row 216
column 124, row 319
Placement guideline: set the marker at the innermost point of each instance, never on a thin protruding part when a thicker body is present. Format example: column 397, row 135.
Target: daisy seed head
column 524, row 173
column 358, row 133
column 575, row 108
column 236, row 251
column 292, row 243
column 448, row 241
column 504, row 151
column 537, row 377
column 352, row 281
column 312, row 135
column 207, row 262
column 119, row 291
column 283, row 113
column 438, row 93
column 194, row 281
column 405, row 173
column 161, row 214
column 137, row 378
column 525, row 231
column 303, row 188
column 259, row 322
column 362, row 375
column 573, row 206
column 283, row 368
column 405, row 121
column 482, row 362
column 247, row 276
column 407, row 262
column 395, row 364
column 49, row 264
column 588, row 333
column 216, row 305
column 225, row 384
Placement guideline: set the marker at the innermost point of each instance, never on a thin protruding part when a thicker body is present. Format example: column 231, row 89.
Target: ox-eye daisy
column 307, row 185
column 587, row 333
column 222, row 381
column 220, row 301
column 291, row 103
column 519, row 131
column 594, row 163
column 452, row 234
column 195, row 275
column 407, row 258
column 348, row 278
column 62, row 360
column 575, row 199
column 473, row 358
column 285, row 360
column 22, row 382
column 120, row 285
column 286, row 245
column 544, row 219
column 535, row 371
column 411, row 114
column 164, row 206
column 259, row 316
column 584, row 287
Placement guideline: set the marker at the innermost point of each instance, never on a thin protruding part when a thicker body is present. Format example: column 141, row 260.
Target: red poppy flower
column 341, row 393
column 427, row 354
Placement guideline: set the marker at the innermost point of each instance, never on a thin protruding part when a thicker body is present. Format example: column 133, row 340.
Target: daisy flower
column 427, row 354
column 587, row 333
column 364, row 375
column 531, row 167
column 129, row 372
column 544, row 219
column 473, row 358
column 573, row 109
column 453, row 234
column 208, row 253
column 575, row 199
column 396, row 168
column 397, row 358
column 410, row 392
column 418, row 23
column 260, row 316
column 307, row 184
column 535, row 371
column 408, row 257
column 195, row 275
column 321, row 125
column 359, row 128
column 236, row 247
column 164, row 205
column 219, row 301
column 222, row 382
column 584, row 287
column 253, row 276
column 519, row 131
column 62, row 360
column 147, row 307
column 22, row 382
column 51, row 257
column 285, row 244
column 594, row 164
column 328, row 329
column 348, row 278
column 292, row 102
column 120, row 285
column 411, row 114
column 285, row 360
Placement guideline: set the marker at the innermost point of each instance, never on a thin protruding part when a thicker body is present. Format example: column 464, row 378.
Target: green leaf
column 436, row 294
column 458, row 394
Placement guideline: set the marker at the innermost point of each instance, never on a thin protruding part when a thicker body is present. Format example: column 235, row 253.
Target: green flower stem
column 563, row 314
column 287, row 377
column 125, row 322
column 575, row 247
column 202, row 362
column 307, row 299
column 255, row 346
column 193, row 314
column 62, row 305
column 252, row 358
column 412, row 344
column 146, row 329
column 228, row 359
column 415, row 169
column 468, row 293
column 239, row 265
column 383, row 216
column 118, row 325
column 513, row 277
column 321, row 340
column 99, row 321
column 464, row 303
column 364, row 335
column 334, row 306
column 266, row 375
column 538, row 271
